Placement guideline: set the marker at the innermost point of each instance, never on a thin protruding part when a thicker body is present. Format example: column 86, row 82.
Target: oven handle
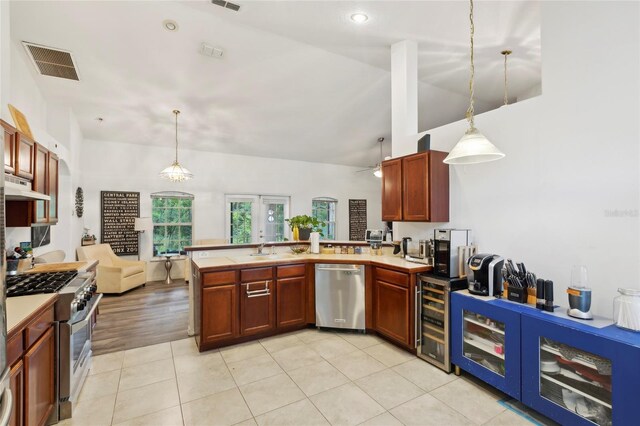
column 7, row 406
column 80, row 324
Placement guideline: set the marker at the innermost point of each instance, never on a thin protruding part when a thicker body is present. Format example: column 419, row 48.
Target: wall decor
column 357, row 219
column 119, row 209
column 79, row 202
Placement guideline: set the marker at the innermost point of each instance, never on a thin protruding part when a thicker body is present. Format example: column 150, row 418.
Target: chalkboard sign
column 357, row 219
column 119, row 210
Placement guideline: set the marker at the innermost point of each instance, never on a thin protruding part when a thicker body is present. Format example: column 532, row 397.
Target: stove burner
column 38, row 283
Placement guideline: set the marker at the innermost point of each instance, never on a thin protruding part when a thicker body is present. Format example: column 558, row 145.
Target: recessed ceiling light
column 359, row 18
column 170, row 25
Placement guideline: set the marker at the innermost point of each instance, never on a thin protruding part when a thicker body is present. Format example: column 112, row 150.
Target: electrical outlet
column 202, row 254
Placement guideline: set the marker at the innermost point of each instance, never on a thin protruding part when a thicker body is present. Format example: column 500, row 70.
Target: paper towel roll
column 315, row 242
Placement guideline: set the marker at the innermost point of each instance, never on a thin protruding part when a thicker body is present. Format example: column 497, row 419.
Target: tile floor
column 308, row 377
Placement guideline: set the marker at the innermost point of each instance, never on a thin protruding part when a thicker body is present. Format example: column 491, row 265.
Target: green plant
column 306, row 222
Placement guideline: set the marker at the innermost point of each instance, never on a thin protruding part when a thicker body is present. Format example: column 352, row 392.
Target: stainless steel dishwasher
column 340, row 296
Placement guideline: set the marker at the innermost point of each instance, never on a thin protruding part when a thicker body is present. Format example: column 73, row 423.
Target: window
column 253, row 218
column 172, row 214
column 324, row 209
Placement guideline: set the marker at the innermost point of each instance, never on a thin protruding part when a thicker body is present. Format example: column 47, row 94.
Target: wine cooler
column 432, row 319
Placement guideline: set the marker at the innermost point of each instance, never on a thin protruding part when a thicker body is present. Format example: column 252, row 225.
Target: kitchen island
column 243, row 297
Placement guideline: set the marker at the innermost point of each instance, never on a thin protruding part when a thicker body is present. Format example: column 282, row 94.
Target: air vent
column 226, row 4
column 52, row 62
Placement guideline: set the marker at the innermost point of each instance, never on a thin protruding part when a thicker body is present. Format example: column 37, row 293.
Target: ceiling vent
column 52, row 62
column 226, row 4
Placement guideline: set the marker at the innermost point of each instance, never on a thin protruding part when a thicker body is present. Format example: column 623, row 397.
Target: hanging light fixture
column 473, row 147
column 505, row 53
column 377, row 171
column 175, row 172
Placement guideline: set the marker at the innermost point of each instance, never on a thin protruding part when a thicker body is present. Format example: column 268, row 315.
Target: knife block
column 517, row 294
column 531, row 296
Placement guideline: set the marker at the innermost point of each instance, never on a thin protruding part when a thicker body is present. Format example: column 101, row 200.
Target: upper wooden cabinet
column 28, row 159
column 52, row 189
column 25, row 156
column 416, row 188
column 392, row 190
column 9, row 136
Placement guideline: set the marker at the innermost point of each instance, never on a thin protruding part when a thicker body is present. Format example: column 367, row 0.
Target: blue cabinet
column 485, row 341
column 575, row 373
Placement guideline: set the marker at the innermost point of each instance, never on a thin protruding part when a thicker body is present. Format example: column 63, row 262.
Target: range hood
column 19, row 189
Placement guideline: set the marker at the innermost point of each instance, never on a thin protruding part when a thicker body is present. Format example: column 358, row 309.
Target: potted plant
column 302, row 226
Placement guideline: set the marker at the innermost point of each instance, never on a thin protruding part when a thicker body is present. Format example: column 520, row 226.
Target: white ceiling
column 298, row 79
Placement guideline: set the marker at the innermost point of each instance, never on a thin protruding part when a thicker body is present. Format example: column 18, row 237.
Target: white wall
column 53, row 126
column 572, row 158
column 112, row 166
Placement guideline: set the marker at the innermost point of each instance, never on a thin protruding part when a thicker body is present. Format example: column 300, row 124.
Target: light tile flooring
column 308, row 377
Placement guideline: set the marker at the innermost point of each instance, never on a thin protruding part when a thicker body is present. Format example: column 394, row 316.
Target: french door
column 256, row 218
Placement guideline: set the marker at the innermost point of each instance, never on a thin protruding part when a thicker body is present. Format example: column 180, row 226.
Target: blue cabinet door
column 485, row 341
column 608, row 373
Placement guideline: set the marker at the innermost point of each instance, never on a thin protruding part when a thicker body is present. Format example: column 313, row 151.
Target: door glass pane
column 274, row 222
column 240, row 222
column 576, row 380
column 484, row 341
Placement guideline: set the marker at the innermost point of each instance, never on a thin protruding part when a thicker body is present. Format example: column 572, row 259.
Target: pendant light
column 473, row 147
column 505, row 53
column 377, row 172
column 175, row 172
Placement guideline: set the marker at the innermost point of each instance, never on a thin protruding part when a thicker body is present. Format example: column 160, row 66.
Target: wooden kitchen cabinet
column 416, row 188
column 394, row 306
column 25, row 156
column 220, row 318
column 392, row 190
column 257, row 301
column 40, row 183
column 16, row 383
column 291, row 296
column 39, row 380
column 9, row 137
column 52, row 187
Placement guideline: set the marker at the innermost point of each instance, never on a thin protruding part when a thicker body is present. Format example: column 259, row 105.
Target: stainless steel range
column 77, row 301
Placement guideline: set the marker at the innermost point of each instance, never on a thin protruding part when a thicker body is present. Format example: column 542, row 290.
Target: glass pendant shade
column 377, row 172
column 473, row 148
column 176, row 173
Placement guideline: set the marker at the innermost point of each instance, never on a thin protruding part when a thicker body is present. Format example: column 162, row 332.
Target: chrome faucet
column 260, row 247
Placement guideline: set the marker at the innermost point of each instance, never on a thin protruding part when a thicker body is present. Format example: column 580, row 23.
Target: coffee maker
column 484, row 274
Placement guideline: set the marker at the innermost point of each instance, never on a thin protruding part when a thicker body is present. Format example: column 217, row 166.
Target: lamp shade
column 473, row 148
column 142, row 224
column 176, row 173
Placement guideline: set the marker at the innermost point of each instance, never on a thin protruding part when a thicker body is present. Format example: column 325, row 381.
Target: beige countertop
column 284, row 258
column 21, row 307
column 62, row 266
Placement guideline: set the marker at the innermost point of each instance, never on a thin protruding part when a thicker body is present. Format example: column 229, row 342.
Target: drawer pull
column 258, row 293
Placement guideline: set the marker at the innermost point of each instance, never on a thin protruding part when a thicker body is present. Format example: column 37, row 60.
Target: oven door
column 75, row 358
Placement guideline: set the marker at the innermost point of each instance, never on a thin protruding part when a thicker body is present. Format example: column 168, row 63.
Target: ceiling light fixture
column 170, row 25
column 505, row 53
column 175, row 172
column 359, row 18
column 473, row 147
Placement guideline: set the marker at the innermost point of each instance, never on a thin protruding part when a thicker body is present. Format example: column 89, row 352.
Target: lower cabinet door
column 485, row 341
column 257, row 307
column 39, row 380
column 220, row 318
column 576, row 377
column 16, row 380
column 391, row 312
column 290, row 301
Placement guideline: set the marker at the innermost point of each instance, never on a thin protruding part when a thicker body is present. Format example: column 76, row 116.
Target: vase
column 304, row 234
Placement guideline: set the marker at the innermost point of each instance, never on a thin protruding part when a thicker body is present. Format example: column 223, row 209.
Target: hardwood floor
column 144, row 316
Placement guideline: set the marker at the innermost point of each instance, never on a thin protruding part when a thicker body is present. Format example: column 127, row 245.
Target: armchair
column 114, row 275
